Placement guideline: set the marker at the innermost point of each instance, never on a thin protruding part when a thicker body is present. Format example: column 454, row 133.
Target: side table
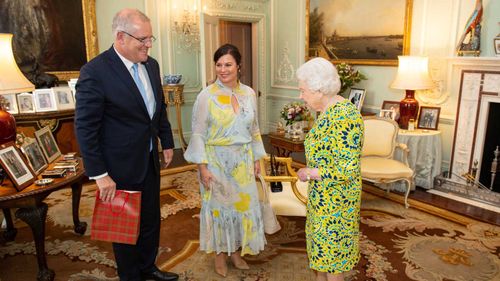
column 285, row 145
column 174, row 95
column 425, row 154
column 33, row 211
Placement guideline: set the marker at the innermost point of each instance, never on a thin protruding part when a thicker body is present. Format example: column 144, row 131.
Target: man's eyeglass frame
column 143, row 41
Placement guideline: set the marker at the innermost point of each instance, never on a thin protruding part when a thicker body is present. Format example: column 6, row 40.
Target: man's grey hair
column 320, row 75
column 124, row 20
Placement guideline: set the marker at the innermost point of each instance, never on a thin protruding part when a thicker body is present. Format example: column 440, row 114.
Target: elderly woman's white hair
column 320, row 75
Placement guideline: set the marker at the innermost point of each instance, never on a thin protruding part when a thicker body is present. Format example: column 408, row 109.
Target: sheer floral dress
column 228, row 142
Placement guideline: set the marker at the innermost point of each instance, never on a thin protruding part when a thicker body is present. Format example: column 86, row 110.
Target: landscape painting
column 358, row 31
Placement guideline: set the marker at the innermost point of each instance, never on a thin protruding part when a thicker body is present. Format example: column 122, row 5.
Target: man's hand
column 168, row 154
column 107, row 188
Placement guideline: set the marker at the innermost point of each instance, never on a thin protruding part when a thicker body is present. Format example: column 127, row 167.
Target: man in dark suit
column 120, row 114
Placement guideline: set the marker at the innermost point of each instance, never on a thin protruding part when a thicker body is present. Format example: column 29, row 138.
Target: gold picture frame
column 359, row 49
column 58, row 38
column 90, row 31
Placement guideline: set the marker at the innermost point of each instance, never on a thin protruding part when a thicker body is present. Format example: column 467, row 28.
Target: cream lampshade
column 413, row 74
column 12, row 81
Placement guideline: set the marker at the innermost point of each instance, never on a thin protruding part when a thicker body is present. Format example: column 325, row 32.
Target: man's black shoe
column 159, row 275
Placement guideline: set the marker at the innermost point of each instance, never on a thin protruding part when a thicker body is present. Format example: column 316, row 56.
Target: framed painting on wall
column 358, row 31
column 60, row 39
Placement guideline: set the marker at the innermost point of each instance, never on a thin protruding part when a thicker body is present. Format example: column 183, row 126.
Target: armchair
column 377, row 163
column 292, row 200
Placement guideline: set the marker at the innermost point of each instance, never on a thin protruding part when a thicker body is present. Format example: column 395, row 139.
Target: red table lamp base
column 408, row 109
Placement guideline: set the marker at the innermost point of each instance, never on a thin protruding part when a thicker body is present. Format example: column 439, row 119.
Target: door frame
column 259, row 55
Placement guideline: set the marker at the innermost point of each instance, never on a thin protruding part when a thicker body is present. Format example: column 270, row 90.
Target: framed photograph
column 361, row 32
column 357, row 96
column 66, row 42
column 428, row 118
column 496, row 42
column 10, row 103
column 64, row 98
column 18, row 170
column 393, row 105
column 387, row 113
column 44, row 100
column 25, row 102
column 72, row 86
column 34, row 155
column 48, row 144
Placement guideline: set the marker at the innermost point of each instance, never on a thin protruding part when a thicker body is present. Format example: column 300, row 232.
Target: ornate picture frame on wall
column 428, row 118
column 18, row 170
column 67, row 41
column 368, row 33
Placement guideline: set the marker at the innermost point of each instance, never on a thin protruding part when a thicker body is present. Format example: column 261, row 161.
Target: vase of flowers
column 348, row 76
column 295, row 112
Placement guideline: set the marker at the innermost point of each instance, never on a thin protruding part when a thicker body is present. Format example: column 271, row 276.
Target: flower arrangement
column 348, row 76
column 294, row 112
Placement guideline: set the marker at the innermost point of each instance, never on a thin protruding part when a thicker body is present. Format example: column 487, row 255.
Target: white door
column 211, row 26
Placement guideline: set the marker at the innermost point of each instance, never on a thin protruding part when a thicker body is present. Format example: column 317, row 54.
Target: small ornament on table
column 280, row 128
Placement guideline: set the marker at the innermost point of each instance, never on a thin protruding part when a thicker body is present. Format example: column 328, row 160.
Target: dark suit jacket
column 112, row 124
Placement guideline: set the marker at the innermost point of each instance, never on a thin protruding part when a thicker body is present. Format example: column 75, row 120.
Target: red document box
column 117, row 221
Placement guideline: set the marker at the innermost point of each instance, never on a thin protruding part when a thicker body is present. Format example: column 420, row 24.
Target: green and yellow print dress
column 228, row 143
column 333, row 146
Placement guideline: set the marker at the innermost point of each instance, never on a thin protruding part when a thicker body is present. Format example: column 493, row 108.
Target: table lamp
column 413, row 74
column 12, row 81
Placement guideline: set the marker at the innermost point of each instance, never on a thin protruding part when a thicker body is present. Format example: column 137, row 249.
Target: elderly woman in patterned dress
column 226, row 144
column 333, row 150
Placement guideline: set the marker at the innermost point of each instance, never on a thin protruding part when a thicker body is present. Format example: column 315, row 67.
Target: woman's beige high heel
column 221, row 264
column 238, row 262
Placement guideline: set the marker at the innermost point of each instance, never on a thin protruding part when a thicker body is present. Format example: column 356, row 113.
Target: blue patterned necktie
column 149, row 104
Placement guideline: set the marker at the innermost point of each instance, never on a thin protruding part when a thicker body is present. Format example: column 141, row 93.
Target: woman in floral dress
column 333, row 149
column 226, row 144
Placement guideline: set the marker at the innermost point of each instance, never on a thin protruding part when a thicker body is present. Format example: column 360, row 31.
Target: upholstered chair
column 377, row 163
column 292, row 200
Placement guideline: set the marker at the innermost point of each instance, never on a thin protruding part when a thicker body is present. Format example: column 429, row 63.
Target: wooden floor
column 419, row 194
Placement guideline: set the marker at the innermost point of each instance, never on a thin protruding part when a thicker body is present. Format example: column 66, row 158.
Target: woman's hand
column 256, row 167
column 307, row 174
column 206, row 176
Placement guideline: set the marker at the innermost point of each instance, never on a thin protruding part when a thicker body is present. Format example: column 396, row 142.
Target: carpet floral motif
column 457, row 252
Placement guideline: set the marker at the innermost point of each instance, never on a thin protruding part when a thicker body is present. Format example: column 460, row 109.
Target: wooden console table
column 174, row 96
column 33, row 211
column 61, row 124
column 284, row 145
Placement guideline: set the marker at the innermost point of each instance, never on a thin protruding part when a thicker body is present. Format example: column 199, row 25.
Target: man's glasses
column 143, row 41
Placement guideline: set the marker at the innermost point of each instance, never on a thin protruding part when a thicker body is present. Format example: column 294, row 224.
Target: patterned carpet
column 397, row 243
